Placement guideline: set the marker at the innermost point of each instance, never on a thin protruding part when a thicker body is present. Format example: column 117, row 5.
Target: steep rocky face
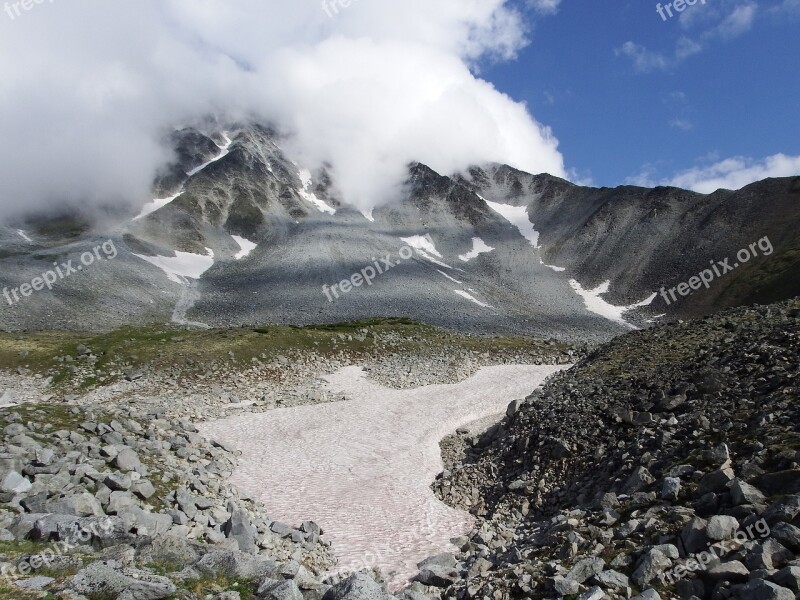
column 643, row 239
column 661, row 445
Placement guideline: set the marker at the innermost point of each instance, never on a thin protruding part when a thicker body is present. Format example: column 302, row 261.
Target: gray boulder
column 788, row 577
column 127, row 460
column 721, row 527
column 650, row 566
column 758, row 589
column 694, row 536
column 274, row 589
column 359, row 586
column 79, row 505
column 100, row 579
column 671, row 489
column 231, row 563
column 744, row 493
column 716, row 481
column 239, row 528
column 788, row 535
column 639, row 480
column 437, row 576
column 14, row 483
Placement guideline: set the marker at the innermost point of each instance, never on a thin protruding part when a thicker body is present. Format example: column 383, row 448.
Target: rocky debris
column 665, row 465
column 124, row 502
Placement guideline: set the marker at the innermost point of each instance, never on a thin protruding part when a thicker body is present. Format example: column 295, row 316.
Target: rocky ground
column 108, row 491
column 665, row 465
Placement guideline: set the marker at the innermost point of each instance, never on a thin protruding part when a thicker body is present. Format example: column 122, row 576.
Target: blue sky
column 634, row 98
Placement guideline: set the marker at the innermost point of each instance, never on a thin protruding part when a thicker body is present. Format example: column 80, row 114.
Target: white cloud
column 683, row 124
column 88, row 87
column 643, row 59
column 545, row 6
column 724, row 21
column 737, row 22
column 732, row 173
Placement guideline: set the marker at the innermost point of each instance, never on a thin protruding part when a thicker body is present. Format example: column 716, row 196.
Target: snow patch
column 453, row 279
column 224, row 151
column 183, row 266
column 518, row 217
column 246, row 247
column 422, row 242
column 656, row 318
column 155, row 205
column 24, row 236
column 478, row 247
column 424, row 246
column 471, row 298
column 305, row 179
column 596, row 304
column 369, row 485
column 556, row 269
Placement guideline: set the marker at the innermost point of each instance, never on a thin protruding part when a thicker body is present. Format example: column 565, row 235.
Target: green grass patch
column 217, row 585
column 53, row 354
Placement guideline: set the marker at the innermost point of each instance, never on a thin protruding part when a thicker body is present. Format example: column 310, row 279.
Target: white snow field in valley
column 361, row 468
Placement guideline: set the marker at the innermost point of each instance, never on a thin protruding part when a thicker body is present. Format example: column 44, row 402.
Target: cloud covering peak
column 90, row 86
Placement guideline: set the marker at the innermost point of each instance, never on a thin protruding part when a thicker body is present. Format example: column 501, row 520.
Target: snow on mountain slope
column 246, row 247
column 517, row 216
column 183, row 266
column 305, row 180
column 155, row 205
column 425, row 247
column 598, row 305
column 478, row 247
column 224, row 150
column 471, row 298
column 454, row 280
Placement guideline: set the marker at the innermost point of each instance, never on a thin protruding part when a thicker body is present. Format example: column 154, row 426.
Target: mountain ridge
column 548, row 239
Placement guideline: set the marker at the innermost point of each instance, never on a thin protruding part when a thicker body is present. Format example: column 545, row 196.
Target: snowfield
column 183, row 266
column 361, row 468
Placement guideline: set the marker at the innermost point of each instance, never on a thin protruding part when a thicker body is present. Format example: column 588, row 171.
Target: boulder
column 758, row 589
column 721, row 527
column 102, row 580
column 274, row 589
column 650, row 566
column 239, row 528
column 359, row 586
column 744, row 493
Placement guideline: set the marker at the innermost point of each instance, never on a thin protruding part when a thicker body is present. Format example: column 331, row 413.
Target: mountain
column 239, row 234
